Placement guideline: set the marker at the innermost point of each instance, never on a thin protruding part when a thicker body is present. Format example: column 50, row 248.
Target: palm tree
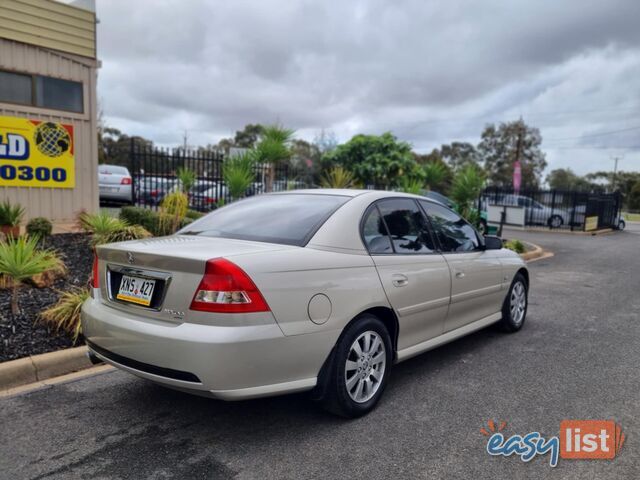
column 466, row 188
column 434, row 174
column 21, row 259
column 274, row 147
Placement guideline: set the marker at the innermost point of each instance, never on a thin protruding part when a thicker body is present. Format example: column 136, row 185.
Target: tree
column 466, row 188
column 633, row 201
column 566, row 179
column 379, row 160
column 273, row 148
column 238, row 174
column 500, row 147
column 460, row 154
column 248, row 136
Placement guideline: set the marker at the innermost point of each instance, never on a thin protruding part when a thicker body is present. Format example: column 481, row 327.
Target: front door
column 476, row 274
column 415, row 277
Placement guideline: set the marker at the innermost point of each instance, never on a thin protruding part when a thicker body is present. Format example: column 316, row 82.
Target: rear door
column 415, row 277
column 476, row 274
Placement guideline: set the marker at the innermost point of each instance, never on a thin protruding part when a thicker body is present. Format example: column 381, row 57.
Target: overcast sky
column 430, row 72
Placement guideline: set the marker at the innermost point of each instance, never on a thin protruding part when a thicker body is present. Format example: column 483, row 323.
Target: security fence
column 154, row 174
column 557, row 208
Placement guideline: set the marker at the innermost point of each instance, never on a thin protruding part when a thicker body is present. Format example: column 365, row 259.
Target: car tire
column 514, row 308
column 555, row 221
column 354, row 389
column 621, row 225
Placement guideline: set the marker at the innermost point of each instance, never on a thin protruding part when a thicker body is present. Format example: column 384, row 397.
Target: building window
column 16, row 88
column 41, row 91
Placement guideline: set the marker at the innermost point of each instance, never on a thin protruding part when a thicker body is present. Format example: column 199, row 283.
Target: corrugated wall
column 49, row 24
column 57, row 204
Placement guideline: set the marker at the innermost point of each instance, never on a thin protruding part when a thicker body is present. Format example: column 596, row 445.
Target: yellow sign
column 34, row 153
column 590, row 223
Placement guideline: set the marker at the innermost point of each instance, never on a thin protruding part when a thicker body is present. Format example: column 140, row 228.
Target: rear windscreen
column 291, row 219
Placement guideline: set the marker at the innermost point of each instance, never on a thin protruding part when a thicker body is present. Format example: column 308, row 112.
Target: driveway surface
column 577, row 357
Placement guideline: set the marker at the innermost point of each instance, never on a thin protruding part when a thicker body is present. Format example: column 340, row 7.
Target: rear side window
column 453, row 232
column 404, row 224
column 375, row 233
column 290, row 219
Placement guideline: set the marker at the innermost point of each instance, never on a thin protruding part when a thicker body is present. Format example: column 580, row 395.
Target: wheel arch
column 525, row 274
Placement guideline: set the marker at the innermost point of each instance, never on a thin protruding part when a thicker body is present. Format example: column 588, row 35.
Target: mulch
column 22, row 335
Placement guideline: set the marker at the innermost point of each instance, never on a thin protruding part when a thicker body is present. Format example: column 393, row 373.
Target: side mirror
column 491, row 242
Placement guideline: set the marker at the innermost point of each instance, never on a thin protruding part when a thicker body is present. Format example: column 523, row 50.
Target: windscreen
column 290, row 219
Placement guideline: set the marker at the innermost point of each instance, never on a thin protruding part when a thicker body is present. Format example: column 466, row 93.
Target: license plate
column 136, row 290
column 109, row 189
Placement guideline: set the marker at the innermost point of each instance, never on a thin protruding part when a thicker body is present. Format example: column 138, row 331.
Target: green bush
column 515, row 245
column 39, row 227
column 11, row 214
column 140, row 216
column 194, row 215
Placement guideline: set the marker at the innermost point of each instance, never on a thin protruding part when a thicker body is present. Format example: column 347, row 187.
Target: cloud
column 429, row 72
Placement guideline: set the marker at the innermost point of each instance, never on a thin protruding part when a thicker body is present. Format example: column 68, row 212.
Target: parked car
column 210, row 198
column 114, row 183
column 320, row 290
column 620, row 224
column 152, row 190
column 536, row 212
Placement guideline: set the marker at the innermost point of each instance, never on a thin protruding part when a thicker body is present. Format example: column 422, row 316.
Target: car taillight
column 226, row 288
column 154, row 193
column 209, row 200
column 125, row 181
column 95, row 276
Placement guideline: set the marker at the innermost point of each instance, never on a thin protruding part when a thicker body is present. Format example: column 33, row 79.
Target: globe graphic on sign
column 52, row 139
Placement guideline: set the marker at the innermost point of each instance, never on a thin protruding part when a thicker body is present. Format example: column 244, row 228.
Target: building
column 48, row 113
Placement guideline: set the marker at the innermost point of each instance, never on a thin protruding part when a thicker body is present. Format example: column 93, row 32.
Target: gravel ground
column 21, row 335
column 576, row 357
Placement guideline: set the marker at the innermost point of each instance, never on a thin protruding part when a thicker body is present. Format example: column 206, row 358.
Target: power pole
column 615, row 170
column 185, row 137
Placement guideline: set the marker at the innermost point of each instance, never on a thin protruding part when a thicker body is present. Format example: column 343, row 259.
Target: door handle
column 399, row 280
column 459, row 274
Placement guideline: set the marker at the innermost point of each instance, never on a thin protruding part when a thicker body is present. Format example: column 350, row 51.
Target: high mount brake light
column 226, row 288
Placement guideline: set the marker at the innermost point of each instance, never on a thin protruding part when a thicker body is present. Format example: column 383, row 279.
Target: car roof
column 353, row 192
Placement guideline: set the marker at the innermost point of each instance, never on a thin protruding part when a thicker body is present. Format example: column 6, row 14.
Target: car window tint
column 453, row 232
column 289, row 219
column 375, row 233
column 407, row 226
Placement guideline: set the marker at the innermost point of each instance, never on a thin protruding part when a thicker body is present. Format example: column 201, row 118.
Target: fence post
column 135, row 173
column 553, row 203
column 573, row 210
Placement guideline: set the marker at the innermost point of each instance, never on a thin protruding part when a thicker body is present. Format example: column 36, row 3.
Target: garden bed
column 22, row 335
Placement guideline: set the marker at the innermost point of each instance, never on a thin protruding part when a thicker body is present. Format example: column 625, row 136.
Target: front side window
column 453, row 232
column 289, row 219
column 405, row 225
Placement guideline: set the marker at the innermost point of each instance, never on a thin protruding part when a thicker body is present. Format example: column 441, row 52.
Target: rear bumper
column 230, row 363
column 123, row 194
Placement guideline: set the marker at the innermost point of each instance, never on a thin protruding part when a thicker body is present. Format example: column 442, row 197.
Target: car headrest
column 397, row 223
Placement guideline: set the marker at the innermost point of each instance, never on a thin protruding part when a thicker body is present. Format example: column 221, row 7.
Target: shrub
column 172, row 212
column 515, row 245
column 238, row 174
column 107, row 229
column 11, row 214
column 338, row 177
column 187, row 178
column 65, row 314
column 39, row 227
column 21, row 259
column 466, row 188
column 193, row 214
column 411, row 185
column 140, row 216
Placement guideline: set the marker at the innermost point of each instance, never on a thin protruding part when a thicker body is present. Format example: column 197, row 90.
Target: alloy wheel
column 518, row 303
column 365, row 365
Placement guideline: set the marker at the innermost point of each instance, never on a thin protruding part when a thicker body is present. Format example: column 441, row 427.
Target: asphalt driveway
column 577, row 357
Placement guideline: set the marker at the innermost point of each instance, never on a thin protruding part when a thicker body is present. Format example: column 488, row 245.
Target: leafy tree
column 566, row 179
column 325, row 141
column 634, row 197
column 379, row 160
column 248, row 136
column 498, row 149
column 459, row 154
